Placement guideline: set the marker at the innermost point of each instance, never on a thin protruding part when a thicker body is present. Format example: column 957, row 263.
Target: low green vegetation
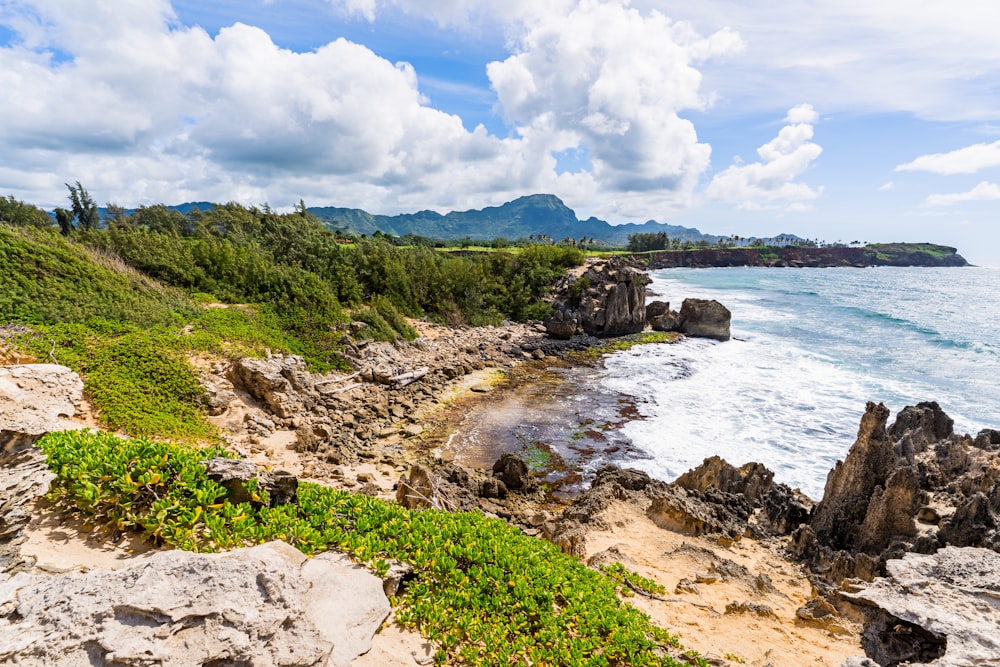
column 483, row 593
column 625, row 343
column 629, row 580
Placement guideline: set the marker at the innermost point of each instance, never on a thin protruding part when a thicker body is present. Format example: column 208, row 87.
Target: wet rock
column 669, row 321
column 514, row 473
column 655, row 310
column 265, row 605
column 705, row 318
column 561, row 324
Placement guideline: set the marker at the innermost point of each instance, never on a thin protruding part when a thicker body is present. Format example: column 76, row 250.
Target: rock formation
column 36, row 399
column 701, row 318
column 938, row 609
column 604, row 298
column 913, row 487
column 267, row 605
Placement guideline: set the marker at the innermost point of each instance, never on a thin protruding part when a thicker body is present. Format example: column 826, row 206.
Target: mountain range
column 533, row 215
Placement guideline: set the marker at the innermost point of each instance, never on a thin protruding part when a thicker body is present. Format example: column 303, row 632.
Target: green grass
column 483, row 592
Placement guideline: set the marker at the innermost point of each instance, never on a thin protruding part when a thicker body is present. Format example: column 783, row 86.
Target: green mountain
column 534, row 215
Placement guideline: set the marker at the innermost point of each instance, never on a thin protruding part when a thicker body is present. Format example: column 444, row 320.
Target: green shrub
column 483, row 592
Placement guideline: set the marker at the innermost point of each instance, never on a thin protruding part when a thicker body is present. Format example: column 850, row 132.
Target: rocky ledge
column 885, row 254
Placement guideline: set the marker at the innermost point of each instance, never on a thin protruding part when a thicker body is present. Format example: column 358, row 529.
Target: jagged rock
column 513, row 472
column 938, row 609
column 697, row 514
column 24, row 477
column 492, row 487
column 970, row 524
column 610, row 556
column 36, row 399
column 761, row 610
column 606, row 298
column 569, row 536
column 753, row 480
column 268, row 605
column 852, row 482
column 988, row 439
column 705, row 318
column 282, row 487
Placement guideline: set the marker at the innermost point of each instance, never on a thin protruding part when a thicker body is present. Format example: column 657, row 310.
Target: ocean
column 809, row 348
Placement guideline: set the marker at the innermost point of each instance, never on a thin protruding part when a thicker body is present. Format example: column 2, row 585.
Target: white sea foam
column 810, row 348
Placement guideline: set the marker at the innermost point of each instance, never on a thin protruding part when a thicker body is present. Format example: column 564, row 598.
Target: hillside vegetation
column 126, row 304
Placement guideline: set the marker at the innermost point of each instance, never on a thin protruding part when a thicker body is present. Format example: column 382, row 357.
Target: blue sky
column 869, row 120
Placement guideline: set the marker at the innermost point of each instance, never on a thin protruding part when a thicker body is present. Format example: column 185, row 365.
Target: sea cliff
column 884, row 254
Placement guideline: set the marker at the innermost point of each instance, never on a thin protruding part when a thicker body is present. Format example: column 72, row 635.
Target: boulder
column 266, row 605
column 669, row 321
column 514, row 473
column 36, row 399
column 281, row 382
column 656, row 309
column 697, row 513
column 705, row 318
column 934, row 609
column 561, row 324
column 421, row 489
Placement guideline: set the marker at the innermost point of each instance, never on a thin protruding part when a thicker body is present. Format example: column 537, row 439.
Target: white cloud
column 966, row 160
column 769, row 183
column 887, row 186
column 985, row 191
column 936, row 60
column 141, row 109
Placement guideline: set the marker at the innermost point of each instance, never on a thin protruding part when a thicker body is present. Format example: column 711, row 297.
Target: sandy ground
column 700, row 619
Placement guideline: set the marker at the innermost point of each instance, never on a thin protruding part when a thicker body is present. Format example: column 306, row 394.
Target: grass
column 483, row 592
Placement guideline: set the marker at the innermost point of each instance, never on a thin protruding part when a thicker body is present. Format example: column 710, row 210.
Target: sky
column 840, row 120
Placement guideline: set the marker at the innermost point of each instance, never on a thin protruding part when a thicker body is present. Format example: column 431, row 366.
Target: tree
column 65, row 220
column 84, row 207
column 14, row 212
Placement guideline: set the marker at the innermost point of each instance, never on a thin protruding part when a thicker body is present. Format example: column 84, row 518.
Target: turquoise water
column 810, row 347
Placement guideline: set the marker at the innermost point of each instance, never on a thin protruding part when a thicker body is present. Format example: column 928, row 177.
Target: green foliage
column 138, row 380
column 644, row 242
column 44, row 278
column 629, row 579
column 625, row 343
column 84, row 207
column 483, row 592
column 19, row 214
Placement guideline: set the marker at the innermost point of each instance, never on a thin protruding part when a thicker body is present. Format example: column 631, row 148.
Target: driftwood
column 343, row 379
column 409, row 377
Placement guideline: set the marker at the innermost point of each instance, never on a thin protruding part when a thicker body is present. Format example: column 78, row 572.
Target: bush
column 483, row 592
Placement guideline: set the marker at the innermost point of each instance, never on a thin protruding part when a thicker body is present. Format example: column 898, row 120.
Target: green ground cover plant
column 483, row 592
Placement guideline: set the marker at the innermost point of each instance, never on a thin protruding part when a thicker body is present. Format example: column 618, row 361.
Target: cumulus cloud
column 770, row 183
column 141, row 109
column 985, row 191
column 966, row 160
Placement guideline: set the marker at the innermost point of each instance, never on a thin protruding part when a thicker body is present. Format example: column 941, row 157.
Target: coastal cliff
column 882, row 254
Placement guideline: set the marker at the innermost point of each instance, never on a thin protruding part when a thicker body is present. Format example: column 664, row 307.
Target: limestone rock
column 561, row 324
column 24, row 477
column 36, row 399
column 234, row 474
column 281, row 382
column 705, row 318
column 935, row 609
column 268, row 605
column 700, row 513
column 422, row 489
column 605, row 298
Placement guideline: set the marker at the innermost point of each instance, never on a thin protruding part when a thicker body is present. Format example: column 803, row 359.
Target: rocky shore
column 755, row 572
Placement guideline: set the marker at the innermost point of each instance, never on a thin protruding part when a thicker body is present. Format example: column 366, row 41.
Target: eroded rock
column 265, row 605
column 36, row 399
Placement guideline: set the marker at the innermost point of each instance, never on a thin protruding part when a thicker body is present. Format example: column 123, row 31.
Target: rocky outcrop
column 36, row 399
column 915, row 486
column 605, row 298
column 777, row 508
column 935, row 609
column 701, row 318
column 268, row 605
column 894, row 254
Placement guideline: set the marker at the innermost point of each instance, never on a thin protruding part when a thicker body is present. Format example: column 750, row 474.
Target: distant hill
column 533, row 215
